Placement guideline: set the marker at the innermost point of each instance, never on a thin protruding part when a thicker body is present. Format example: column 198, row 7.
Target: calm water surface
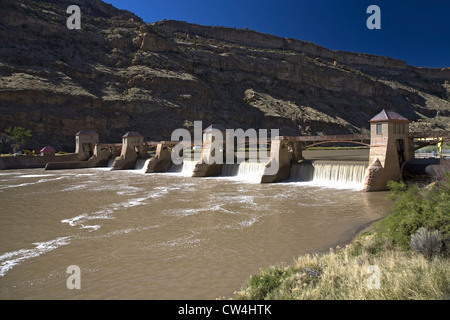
column 161, row 236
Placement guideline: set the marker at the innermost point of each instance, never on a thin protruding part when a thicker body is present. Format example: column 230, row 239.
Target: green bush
column 417, row 208
column 266, row 284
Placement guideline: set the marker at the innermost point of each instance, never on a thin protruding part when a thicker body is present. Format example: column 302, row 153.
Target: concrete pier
column 133, row 147
column 89, row 153
column 163, row 158
column 213, row 152
column 281, row 156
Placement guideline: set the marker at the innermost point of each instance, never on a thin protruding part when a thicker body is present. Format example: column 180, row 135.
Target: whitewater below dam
column 169, row 236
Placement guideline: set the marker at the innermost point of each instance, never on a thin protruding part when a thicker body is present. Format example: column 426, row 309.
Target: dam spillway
column 334, row 174
column 250, row 171
column 324, row 173
column 184, row 169
column 389, row 147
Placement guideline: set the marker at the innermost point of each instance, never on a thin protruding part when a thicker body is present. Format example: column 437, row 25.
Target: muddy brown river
column 164, row 236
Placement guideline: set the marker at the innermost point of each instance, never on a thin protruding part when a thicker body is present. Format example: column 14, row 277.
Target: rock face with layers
column 119, row 74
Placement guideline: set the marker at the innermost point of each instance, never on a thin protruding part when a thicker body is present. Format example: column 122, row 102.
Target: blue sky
column 417, row 31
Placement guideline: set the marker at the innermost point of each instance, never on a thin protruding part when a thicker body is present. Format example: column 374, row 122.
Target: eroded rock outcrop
column 119, row 74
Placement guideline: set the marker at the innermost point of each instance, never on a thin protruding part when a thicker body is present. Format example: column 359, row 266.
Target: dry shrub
column 427, row 243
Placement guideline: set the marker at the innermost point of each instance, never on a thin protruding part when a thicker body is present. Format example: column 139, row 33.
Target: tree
column 19, row 136
column 5, row 143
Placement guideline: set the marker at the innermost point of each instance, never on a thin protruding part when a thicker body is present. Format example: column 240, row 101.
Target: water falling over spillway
column 251, row 171
column 340, row 175
column 185, row 169
column 111, row 162
column 330, row 174
column 245, row 171
column 142, row 164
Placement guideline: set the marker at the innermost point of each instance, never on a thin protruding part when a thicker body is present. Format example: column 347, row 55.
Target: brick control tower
column 389, row 149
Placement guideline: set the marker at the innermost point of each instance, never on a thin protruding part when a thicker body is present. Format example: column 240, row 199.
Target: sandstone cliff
column 119, row 74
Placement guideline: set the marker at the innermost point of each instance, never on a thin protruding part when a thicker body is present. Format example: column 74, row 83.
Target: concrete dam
column 391, row 149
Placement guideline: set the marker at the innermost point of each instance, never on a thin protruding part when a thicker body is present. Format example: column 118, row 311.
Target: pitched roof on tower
column 87, row 133
column 387, row 115
column 132, row 134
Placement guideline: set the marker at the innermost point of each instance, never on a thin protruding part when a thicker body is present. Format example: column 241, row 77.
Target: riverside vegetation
column 411, row 248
